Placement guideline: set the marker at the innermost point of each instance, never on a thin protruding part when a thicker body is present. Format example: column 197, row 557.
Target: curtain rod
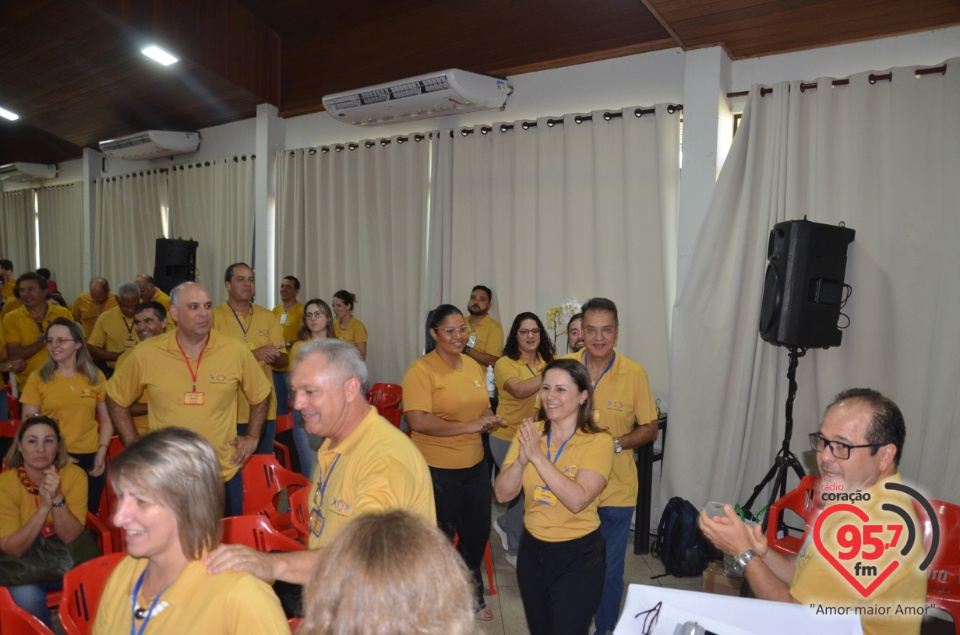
column 873, row 78
column 578, row 119
column 353, row 145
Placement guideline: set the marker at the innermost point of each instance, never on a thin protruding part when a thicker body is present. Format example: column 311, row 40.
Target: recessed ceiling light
column 159, row 55
column 7, row 114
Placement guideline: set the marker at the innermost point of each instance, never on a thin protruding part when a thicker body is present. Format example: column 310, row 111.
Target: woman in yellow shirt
column 517, row 375
column 69, row 388
column 562, row 463
column 317, row 324
column 346, row 327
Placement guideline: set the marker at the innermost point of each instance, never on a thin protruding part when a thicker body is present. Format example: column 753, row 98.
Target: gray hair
column 342, row 357
column 175, row 292
column 128, row 290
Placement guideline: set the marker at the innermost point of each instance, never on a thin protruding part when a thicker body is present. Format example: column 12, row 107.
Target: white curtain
column 60, row 212
column 881, row 156
column 18, row 230
column 213, row 204
column 566, row 209
column 127, row 224
column 354, row 217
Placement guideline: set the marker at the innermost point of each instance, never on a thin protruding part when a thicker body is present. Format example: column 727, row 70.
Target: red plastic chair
column 16, row 621
column 943, row 586
column 300, row 512
column 489, row 560
column 82, row 587
column 104, row 541
column 263, row 480
column 13, row 406
column 257, row 532
column 387, row 398
column 282, row 452
column 9, row 427
column 803, row 502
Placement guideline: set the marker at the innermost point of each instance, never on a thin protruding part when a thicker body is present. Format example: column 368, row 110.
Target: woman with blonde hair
column 72, row 390
column 317, row 324
column 169, row 499
column 391, row 573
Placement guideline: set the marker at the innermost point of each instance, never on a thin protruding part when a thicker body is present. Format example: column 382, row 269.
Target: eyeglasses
column 315, row 314
column 450, row 331
column 607, row 330
column 838, row 449
column 650, row 617
column 526, row 332
column 57, row 341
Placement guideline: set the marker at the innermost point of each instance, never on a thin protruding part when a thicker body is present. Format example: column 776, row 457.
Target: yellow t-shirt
column 17, row 506
column 141, row 423
column 162, row 298
column 290, row 323
column 429, row 385
column 374, row 469
column 621, row 397
column 73, row 402
column 489, row 336
column 228, row 603
column 515, row 410
column 10, row 305
column 225, row 369
column 816, row 581
column 86, row 311
column 20, row 327
column 556, row 523
column 8, row 288
column 257, row 329
column 113, row 332
column 354, row 332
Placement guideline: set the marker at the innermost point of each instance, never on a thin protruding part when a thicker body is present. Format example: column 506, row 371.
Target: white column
column 270, row 138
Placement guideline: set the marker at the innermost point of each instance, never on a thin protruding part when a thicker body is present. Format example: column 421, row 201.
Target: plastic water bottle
column 491, row 385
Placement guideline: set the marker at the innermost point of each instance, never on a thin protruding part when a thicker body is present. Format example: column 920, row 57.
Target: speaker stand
column 785, row 458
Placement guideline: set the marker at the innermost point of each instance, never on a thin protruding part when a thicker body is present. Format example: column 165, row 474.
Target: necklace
column 28, row 484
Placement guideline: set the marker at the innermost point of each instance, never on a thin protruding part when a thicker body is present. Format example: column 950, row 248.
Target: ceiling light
column 7, row 114
column 158, row 54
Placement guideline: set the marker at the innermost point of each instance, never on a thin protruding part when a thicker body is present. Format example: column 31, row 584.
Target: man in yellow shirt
column 290, row 314
column 150, row 292
column 621, row 399
column 114, row 331
column 193, row 377
column 858, row 448
column 91, row 304
column 257, row 329
column 366, row 464
column 25, row 328
column 485, row 343
column 149, row 320
column 9, row 284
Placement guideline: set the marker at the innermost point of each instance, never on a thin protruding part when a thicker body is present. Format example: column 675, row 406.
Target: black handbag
column 47, row 559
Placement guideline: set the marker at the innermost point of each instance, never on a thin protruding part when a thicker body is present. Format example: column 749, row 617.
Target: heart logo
column 862, row 515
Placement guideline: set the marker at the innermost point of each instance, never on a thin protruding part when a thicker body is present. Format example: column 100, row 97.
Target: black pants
column 462, row 498
column 561, row 583
column 95, row 484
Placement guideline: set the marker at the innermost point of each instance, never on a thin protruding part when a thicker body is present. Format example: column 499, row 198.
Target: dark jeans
column 265, row 445
column 233, row 500
column 561, row 582
column 95, row 484
column 462, row 498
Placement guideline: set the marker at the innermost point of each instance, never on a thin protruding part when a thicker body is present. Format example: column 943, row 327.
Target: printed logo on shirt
column 87, row 392
column 340, row 506
column 218, row 379
column 476, row 383
column 614, row 405
column 264, row 332
column 570, row 471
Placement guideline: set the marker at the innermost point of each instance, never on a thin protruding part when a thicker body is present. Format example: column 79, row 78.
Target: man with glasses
column 25, row 328
column 365, row 463
column 621, row 399
column 858, row 448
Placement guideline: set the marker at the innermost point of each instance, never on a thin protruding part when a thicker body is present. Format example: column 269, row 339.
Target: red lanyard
column 193, row 373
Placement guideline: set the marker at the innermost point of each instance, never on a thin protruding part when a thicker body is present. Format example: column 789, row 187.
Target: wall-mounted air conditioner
column 20, row 171
column 432, row 95
column 151, row 144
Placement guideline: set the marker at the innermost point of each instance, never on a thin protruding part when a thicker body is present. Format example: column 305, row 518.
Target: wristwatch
column 617, row 446
column 61, row 502
column 743, row 559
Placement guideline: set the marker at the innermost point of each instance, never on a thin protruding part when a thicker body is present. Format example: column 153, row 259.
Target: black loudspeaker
column 175, row 262
column 803, row 286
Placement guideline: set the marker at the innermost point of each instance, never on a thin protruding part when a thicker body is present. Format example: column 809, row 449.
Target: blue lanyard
column 323, row 486
column 133, row 600
column 560, row 449
column 237, row 318
column 586, row 359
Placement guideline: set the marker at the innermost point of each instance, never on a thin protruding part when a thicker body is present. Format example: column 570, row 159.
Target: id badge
column 129, row 344
column 596, row 415
column 193, row 398
column 251, row 346
column 283, row 318
column 543, row 495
